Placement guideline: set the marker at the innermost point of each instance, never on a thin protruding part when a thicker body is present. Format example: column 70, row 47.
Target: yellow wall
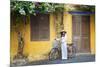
column 92, row 33
column 67, row 20
column 14, row 45
column 36, row 50
column 14, row 40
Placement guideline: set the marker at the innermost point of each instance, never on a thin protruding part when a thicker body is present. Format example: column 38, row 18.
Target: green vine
column 25, row 8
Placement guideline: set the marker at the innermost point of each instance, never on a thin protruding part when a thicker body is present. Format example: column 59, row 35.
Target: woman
column 63, row 45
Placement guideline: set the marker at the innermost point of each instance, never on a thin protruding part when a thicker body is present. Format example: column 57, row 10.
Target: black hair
column 62, row 33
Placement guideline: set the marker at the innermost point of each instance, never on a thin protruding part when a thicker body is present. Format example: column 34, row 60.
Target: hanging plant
column 26, row 8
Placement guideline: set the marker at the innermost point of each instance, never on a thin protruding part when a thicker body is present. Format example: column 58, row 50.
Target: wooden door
column 81, row 33
column 85, row 35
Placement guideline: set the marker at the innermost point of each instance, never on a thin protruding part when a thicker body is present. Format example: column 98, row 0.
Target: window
column 40, row 27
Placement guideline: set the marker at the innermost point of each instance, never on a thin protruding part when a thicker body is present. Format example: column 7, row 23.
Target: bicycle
column 55, row 52
column 71, row 50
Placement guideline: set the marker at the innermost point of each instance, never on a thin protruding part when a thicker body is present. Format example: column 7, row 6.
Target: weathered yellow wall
column 14, row 45
column 14, row 39
column 92, row 33
column 38, row 50
column 67, row 20
column 35, row 50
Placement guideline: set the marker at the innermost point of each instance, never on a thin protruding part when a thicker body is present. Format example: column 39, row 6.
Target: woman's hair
column 63, row 33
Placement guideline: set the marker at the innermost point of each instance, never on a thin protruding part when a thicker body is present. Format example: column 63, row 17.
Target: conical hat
column 63, row 31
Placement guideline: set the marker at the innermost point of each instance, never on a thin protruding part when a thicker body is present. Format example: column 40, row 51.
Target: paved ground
column 79, row 58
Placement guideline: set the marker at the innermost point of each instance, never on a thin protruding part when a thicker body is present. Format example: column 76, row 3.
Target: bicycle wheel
column 54, row 54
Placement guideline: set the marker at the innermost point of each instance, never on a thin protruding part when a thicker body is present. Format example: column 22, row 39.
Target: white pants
column 64, row 50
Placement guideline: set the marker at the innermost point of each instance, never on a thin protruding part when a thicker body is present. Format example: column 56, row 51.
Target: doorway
column 81, row 33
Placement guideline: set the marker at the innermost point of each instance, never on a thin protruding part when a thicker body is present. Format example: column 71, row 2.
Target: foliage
column 26, row 7
column 85, row 8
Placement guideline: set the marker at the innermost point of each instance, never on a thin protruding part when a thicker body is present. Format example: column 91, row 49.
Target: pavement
column 76, row 59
